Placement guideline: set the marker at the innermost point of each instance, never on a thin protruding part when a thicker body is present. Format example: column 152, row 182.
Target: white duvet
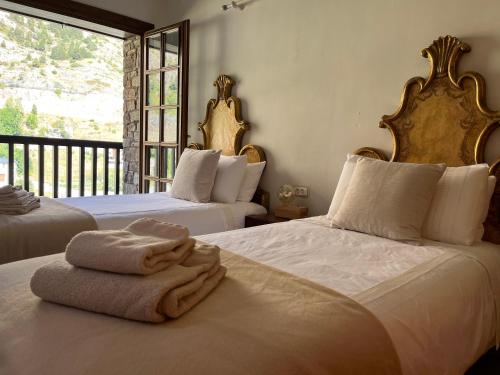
column 117, row 211
column 438, row 302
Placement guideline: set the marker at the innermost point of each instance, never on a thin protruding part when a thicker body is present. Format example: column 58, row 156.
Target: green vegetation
column 50, row 80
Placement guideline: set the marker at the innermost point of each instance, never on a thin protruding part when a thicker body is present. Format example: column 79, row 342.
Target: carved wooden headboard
column 223, row 129
column 444, row 119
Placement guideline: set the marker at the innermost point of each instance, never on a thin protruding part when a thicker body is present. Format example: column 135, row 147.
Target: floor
column 488, row 364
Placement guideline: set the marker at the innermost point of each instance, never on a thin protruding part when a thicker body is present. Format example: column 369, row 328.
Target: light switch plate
column 300, row 191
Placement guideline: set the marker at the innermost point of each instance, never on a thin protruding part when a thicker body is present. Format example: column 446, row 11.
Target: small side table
column 256, row 220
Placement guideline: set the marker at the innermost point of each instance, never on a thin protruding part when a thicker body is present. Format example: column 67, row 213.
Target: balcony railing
column 26, row 154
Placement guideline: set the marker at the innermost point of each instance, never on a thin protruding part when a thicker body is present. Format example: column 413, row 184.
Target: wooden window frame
column 87, row 13
column 182, row 105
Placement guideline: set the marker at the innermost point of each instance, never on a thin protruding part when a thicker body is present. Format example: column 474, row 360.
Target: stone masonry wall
column 131, row 114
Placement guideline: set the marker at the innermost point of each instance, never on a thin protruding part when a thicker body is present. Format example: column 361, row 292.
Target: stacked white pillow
column 230, row 173
column 195, row 175
column 342, row 185
column 459, row 206
column 204, row 175
column 250, row 182
column 389, row 200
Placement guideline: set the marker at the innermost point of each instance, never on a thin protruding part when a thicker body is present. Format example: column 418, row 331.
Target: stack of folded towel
column 148, row 271
column 16, row 201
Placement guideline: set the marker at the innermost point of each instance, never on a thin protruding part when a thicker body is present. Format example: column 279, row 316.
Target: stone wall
column 131, row 114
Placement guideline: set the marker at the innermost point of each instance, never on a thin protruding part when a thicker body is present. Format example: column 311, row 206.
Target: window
column 164, row 130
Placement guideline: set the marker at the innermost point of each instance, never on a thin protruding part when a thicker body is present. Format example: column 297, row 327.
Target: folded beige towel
column 16, row 194
column 19, row 209
column 144, row 247
column 8, row 189
column 153, row 298
column 204, row 261
column 18, row 200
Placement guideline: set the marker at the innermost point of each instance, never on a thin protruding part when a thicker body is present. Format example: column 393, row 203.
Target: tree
column 59, row 52
column 32, row 118
column 11, row 117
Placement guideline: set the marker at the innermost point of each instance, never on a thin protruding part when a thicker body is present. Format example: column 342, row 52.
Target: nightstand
column 255, row 220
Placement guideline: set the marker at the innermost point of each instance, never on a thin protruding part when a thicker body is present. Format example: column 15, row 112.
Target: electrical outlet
column 300, row 191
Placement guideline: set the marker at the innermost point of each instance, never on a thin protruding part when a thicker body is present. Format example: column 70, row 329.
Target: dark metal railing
column 56, row 143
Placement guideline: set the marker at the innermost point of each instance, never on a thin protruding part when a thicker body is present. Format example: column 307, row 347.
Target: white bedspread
column 117, row 211
column 438, row 302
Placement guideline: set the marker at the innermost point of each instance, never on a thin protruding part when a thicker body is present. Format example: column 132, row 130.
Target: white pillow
column 486, row 207
column 230, row 173
column 457, row 209
column 345, row 178
column 250, row 181
column 195, row 175
column 388, row 199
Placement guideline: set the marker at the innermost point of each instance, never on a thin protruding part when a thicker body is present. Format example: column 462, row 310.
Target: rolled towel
column 153, row 298
column 144, row 247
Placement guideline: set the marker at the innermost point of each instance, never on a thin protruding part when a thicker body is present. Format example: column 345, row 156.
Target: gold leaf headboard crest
column 444, row 119
column 443, row 55
column 224, row 86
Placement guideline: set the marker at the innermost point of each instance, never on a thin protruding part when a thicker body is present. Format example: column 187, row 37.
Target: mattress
column 438, row 302
column 117, row 211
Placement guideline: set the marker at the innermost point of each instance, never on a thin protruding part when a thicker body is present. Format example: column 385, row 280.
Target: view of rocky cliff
column 59, row 81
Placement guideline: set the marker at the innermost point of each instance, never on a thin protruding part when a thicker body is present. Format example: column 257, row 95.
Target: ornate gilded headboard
column 223, row 129
column 444, row 119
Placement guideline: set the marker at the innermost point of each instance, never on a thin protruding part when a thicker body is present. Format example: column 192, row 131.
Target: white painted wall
column 315, row 76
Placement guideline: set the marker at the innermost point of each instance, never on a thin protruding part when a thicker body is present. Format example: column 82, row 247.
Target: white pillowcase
column 388, row 199
column 345, row 178
column 250, row 181
column 230, row 173
column 195, row 175
column 458, row 208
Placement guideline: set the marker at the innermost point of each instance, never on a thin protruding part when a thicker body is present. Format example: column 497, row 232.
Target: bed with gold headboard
column 223, row 129
column 444, row 119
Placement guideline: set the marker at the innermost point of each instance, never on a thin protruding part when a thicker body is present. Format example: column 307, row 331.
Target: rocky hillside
column 66, row 82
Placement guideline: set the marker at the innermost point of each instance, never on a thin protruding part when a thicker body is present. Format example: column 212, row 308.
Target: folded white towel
column 153, row 298
column 19, row 210
column 9, row 189
column 14, row 195
column 23, row 200
column 144, row 247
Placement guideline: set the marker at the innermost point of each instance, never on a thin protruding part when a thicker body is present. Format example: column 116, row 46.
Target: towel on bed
column 21, row 208
column 17, row 194
column 153, row 298
column 9, row 189
column 16, row 201
column 144, row 247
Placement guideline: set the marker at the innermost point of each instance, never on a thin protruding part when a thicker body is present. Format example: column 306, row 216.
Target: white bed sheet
column 438, row 302
column 117, row 211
